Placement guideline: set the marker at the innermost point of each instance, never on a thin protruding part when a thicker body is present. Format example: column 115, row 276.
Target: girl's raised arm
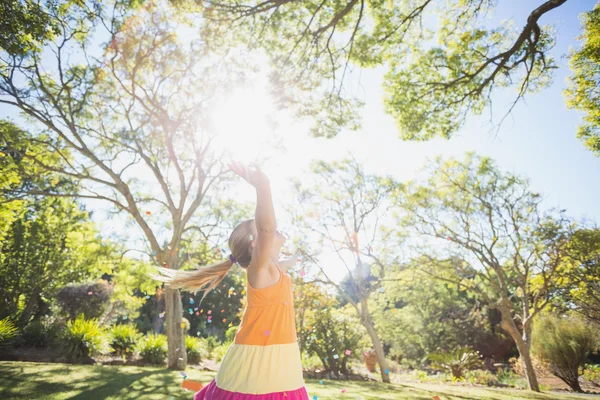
column 266, row 225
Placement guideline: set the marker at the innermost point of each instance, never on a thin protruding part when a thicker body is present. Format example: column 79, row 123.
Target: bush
column 84, row 338
column 195, row 351
column 592, row 374
column 124, row 339
column 457, row 361
column 41, row 333
column 153, row 349
column 328, row 334
column 510, row 378
column 541, row 367
column 8, row 331
column 565, row 344
column 219, row 352
column 481, row 377
column 90, row 299
column 230, row 334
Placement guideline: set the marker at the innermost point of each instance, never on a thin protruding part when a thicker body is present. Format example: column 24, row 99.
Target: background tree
column 582, row 92
column 488, row 226
column 418, row 314
column 565, row 343
column 430, row 88
column 343, row 211
column 134, row 121
column 52, row 243
column 579, row 288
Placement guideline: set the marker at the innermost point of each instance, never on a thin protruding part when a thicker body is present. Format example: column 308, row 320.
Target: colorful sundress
column 264, row 362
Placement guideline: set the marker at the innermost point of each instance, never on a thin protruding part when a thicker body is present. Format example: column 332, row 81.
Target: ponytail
column 204, row 278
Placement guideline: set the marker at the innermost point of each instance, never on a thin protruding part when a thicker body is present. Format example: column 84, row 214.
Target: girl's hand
column 255, row 176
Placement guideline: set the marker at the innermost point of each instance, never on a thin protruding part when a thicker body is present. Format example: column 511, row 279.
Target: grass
column 23, row 380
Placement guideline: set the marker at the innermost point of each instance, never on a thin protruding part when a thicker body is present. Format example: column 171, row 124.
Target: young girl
column 264, row 360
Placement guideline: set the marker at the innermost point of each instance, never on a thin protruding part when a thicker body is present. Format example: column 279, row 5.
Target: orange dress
column 264, row 360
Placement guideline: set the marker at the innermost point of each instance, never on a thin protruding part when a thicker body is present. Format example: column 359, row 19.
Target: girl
column 264, row 360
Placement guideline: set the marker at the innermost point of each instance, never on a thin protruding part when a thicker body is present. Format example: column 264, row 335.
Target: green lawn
column 21, row 380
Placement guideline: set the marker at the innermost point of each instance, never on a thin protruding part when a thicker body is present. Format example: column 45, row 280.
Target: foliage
column 416, row 314
column 329, row 334
column 153, row 349
column 91, row 300
column 194, row 349
column 582, row 93
column 84, row 338
column 219, row 351
column 124, row 338
column 437, row 73
column 580, row 284
column 110, row 109
column 457, row 361
column 591, row 373
column 488, row 228
column 42, row 332
column 8, row 331
column 343, row 210
column 481, row 377
column 565, row 344
column 26, row 25
column 541, row 367
column 51, row 244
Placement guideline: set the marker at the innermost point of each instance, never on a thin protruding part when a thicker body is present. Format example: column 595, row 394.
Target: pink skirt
column 213, row 392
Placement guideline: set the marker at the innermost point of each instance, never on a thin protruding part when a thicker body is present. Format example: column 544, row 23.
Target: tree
column 579, row 288
column 52, row 243
column 343, row 211
column 133, row 121
column 565, row 343
column 488, row 227
column 430, row 88
column 582, row 92
column 418, row 314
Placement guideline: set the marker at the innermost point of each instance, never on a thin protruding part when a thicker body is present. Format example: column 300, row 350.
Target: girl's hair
column 208, row 277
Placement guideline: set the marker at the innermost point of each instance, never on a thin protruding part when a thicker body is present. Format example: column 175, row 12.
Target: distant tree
column 343, row 210
column 488, row 227
column 418, row 314
column 579, row 288
column 582, row 92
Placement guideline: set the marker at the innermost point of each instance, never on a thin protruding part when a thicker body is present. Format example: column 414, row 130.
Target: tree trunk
column 177, row 357
column 367, row 322
column 31, row 303
column 523, row 342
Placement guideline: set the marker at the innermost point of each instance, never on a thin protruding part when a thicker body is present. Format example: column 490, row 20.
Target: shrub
column 8, row 331
column 90, row 299
column 565, row 344
column 219, row 352
column 592, row 374
column 41, row 333
column 124, row 339
column 230, row 334
column 153, row 349
column 328, row 334
column 481, row 377
column 541, row 367
column 195, row 351
column 510, row 378
column 457, row 361
column 84, row 338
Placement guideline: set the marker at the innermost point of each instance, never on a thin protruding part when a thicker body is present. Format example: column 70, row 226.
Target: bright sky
column 538, row 140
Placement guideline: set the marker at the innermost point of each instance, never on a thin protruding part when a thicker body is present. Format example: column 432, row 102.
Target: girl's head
column 241, row 243
column 243, row 239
